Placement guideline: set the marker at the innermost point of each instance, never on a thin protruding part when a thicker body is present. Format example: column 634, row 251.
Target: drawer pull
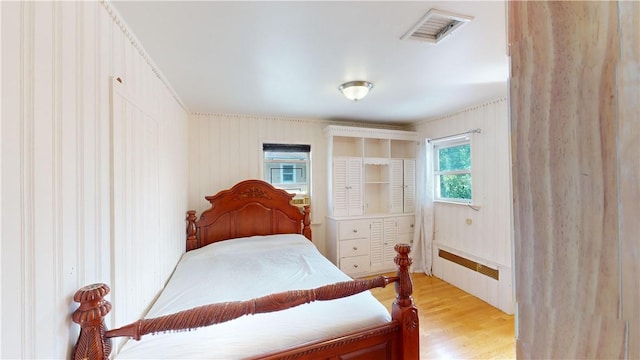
column 355, row 230
column 411, row 225
column 355, row 266
column 355, row 248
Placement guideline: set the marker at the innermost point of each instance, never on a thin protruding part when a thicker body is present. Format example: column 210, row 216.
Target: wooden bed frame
column 254, row 207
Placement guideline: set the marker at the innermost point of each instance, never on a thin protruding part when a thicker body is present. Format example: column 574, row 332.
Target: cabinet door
column 405, row 229
column 409, row 179
column 340, row 187
column 403, row 189
column 377, row 244
column 354, row 177
column 390, row 240
column 397, row 186
column 347, row 187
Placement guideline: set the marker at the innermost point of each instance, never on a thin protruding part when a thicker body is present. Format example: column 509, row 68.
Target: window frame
column 445, row 144
column 288, row 147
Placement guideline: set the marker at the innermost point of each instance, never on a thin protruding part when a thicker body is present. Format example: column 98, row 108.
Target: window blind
column 286, row 147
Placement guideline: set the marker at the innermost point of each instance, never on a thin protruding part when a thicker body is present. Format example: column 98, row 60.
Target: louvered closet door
column 377, row 244
column 355, row 187
column 409, row 178
column 397, row 186
column 340, row 187
column 390, row 240
column 347, row 186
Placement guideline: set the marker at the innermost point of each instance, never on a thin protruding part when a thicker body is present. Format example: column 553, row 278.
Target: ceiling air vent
column 435, row 25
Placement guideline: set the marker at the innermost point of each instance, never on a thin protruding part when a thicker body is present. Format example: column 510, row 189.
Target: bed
column 253, row 285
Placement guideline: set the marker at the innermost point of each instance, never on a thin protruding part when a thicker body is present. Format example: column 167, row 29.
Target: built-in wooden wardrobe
column 371, row 196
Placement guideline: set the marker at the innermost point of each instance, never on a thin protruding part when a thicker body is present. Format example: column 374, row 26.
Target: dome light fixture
column 355, row 90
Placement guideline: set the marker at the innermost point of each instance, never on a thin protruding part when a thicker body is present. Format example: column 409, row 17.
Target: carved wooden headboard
column 251, row 207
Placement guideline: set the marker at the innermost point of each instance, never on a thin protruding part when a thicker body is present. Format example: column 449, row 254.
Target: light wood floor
column 455, row 324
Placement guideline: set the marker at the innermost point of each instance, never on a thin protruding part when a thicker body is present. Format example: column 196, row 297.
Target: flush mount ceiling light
column 355, row 90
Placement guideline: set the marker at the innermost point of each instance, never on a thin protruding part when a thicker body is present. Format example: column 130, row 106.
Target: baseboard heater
column 470, row 264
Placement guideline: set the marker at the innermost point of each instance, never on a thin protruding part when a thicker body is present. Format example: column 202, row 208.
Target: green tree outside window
column 454, row 172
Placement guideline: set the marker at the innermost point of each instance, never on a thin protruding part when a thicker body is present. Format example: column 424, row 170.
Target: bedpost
column 192, row 237
column 403, row 309
column 306, row 222
column 90, row 315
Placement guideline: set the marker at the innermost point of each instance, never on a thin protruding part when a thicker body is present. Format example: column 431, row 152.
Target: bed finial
column 92, row 343
column 306, row 222
column 404, row 287
column 192, row 238
column 404, row 309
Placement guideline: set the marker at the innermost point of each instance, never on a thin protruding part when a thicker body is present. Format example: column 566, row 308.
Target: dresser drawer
column 353, row 229
column 354, row 247
column 355, row 264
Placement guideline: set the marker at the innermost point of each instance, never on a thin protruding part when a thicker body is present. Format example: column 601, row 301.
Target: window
column 286, row 166
column 288, row 173
column 452, row 165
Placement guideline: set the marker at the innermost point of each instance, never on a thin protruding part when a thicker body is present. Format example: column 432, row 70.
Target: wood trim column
column 574, row 127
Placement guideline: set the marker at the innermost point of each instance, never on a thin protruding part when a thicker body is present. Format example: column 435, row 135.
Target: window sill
column 471, row 205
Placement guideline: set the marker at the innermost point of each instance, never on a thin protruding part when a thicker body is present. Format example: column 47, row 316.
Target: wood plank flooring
column 455, row 324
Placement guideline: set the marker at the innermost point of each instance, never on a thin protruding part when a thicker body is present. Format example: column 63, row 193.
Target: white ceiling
column 288, row 58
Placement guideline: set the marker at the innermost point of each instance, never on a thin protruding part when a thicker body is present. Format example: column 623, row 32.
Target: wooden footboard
column 399, row 339
column 396, row 340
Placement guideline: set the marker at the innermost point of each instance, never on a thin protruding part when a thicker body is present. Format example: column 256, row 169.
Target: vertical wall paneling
column 1, row 192
column 10, row 309
column 104, row 46
column 57, row 62
column 87, row 207
column 57, row 132
column 27, row 193
column 487, row 240
column 573, row 87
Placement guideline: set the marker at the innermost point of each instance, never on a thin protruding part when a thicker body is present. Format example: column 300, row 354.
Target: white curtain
column 423, row 232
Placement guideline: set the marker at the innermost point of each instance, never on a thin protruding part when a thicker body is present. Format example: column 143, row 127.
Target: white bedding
column 247, row 268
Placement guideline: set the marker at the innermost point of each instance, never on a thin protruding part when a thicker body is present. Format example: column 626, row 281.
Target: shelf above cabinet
column 347, row 146
column 403, row 149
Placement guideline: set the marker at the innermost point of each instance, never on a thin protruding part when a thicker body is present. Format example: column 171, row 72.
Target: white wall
column 487, row 239
column 58, row 59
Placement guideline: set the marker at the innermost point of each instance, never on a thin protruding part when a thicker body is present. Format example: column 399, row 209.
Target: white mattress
column 247, row 268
